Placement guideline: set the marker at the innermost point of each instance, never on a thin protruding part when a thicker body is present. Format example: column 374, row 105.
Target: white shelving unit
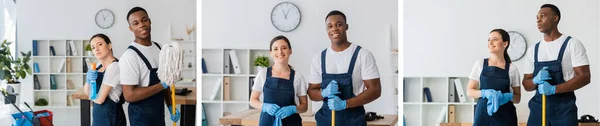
column 421, row 113
column 189, row 63
column 49, row 65
column 240, row 83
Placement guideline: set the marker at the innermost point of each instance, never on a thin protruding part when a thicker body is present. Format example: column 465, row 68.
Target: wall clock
column 285, row 16
column 105, row 18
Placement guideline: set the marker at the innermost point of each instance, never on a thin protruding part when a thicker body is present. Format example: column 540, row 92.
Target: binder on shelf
column 73, row 48
column 52, row 51
column 68, row 64
column 35, row 50
column 452, row 93
column 204, row 69
column 85, row 66
column 226, row 89
column 460, row 91
column 251, row 84
column 36, row 83
column 204, row 120
column 68, row 50
column 61, row 65
column 227, row 63
column 442, row 115
column 53, row 85
column 215, row 90
column 427, row 93
column 451, row 113
column 70, row 85
column 69, row 100
column 36, row 67
column 235, row 62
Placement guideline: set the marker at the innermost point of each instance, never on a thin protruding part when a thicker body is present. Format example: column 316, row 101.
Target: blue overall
column 150, row 111
column 560, row 108
column 495, row 78
column 109, row 113
column 281, row 92
column 347, row 117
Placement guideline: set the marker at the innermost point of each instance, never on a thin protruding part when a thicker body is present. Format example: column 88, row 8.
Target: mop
column 543, row 110
column 170, row 68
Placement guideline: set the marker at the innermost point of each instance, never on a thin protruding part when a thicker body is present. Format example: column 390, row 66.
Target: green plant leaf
column 23, row 74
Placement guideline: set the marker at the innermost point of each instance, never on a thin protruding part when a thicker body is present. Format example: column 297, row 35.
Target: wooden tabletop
column 251, row 117
column 189, row 99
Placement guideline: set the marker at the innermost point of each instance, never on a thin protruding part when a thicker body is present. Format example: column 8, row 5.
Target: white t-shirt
column 574, row 56
column 365, row 67
column 300, row 85
column 112, row 78
column 513, row 73
column 132, row 67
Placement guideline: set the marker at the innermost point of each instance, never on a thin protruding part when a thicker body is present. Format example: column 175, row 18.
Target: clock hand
column 284, row 14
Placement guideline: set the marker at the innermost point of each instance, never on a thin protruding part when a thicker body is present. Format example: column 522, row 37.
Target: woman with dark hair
column 284, row 90
column 108, row 100
column 499, row 83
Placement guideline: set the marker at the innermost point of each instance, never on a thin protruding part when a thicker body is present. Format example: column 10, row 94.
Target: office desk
column 187, row 109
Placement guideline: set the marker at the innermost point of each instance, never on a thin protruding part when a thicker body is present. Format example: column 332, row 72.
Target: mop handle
column 332, row 117
column 543, row 110
column 173, row 101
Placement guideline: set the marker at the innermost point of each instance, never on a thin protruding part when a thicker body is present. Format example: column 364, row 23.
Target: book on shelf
column 215, row 91
column 451, row 113
column 204, row 69
column 452, row 94
column 235, row 62
column 85, row 67
column 442, row 115
column 61, row 65
column 70, row 85
column 35, row 50
column 68, row 65
column 226, row 63
column 36, row 83
column 427, row 94
column 460, row 91
column 53, row 84
column 68, row 50
column 36, row 67
column 69, row 100
column 52, row 51
column 226, row 88
column 73, row 48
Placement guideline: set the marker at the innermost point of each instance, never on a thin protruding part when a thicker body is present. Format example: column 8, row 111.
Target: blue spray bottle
column 93, row 85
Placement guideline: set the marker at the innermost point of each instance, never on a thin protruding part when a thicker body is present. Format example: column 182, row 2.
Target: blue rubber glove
column 489, row 93
column 165, row 85
column 270, row 109
column 506, row 97
column 542, row 76
column 546, row 89
column 336, row 103
column 91, row 75
column 331, row 90
column 493, row 97
column 286, row 111
column 174, row 117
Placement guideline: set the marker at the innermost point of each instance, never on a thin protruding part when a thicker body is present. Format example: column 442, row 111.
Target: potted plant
column 88, row 49
column 261, row 62
column 13, row 69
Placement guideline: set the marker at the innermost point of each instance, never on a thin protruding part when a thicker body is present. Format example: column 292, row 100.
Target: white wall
column 445, row 38
column 246, row 24
column 74, row 19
